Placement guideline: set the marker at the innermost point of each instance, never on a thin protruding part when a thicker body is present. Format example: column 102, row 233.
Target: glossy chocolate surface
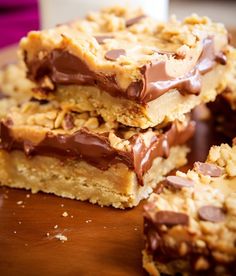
column 96, row 149
column 63, row 68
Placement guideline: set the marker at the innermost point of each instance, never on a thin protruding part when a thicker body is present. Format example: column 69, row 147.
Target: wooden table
column 101, row 241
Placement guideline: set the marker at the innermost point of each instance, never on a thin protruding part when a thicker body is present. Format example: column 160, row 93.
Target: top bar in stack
column 128, row 67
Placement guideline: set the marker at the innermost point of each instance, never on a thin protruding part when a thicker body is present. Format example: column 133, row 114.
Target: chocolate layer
column 96, row 149
column 64, row 68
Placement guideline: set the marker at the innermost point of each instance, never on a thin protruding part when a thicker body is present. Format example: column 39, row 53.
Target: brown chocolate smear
column 69, row 121
column 96, row 149
column 208, row 169
column 143, row 155
column 68, row 69
column 211, row 213
column 158, row 82
column 170, row 218
column 179, row 182
column 101, row 38
column 134, row 20
column 114, row 54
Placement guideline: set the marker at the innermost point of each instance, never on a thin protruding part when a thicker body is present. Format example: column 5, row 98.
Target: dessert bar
column 78, row 155
column 128, row 67
column 190, row 227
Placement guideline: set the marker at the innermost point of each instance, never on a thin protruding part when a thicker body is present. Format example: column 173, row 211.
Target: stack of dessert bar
column 108, row 114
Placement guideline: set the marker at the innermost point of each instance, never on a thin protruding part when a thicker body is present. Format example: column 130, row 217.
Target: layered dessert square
column 190, row 227
column 128, row 67
column 79, row 155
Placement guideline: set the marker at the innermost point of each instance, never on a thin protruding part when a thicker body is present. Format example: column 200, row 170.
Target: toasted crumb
column 89, row 220
column 62, row 205
column 14, row 232
column 48, row 234
column 19, row 222
column 28, row 195
column 71, row 216
column 55, row 226
column 61, row 237
column 19, row 202
column 65, row 214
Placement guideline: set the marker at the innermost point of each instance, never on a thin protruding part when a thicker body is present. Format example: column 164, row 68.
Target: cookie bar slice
column 78, row 155
column 129, row 67
column 190, row 228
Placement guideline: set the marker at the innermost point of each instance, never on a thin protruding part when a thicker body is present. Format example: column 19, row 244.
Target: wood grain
column 101, row 241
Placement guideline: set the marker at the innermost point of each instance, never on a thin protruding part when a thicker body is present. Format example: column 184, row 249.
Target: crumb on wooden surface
column 65, row 214
column 61, row 237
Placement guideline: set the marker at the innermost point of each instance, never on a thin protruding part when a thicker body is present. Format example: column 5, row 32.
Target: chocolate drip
column 65, row 68
column 96, row 149
column 158, row 82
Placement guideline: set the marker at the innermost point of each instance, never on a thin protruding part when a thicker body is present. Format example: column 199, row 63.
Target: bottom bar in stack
column 78, row 155
column 190, row 228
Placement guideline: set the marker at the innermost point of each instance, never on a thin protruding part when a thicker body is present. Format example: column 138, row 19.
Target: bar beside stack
column 110, row 96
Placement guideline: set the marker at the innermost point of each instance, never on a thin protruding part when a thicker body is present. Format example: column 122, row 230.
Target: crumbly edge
column 117, row 186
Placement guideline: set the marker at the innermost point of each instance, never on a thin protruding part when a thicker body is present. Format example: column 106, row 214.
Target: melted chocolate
column 96, row 149
column 65, row 68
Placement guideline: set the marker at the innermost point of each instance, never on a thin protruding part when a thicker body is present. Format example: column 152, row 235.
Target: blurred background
column 17, row 17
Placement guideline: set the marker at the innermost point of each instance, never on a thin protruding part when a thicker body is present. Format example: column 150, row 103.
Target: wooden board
column 101, row 241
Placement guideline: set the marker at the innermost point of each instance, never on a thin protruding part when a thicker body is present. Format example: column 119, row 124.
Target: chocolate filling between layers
column 96, row 150
column 64, row 68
